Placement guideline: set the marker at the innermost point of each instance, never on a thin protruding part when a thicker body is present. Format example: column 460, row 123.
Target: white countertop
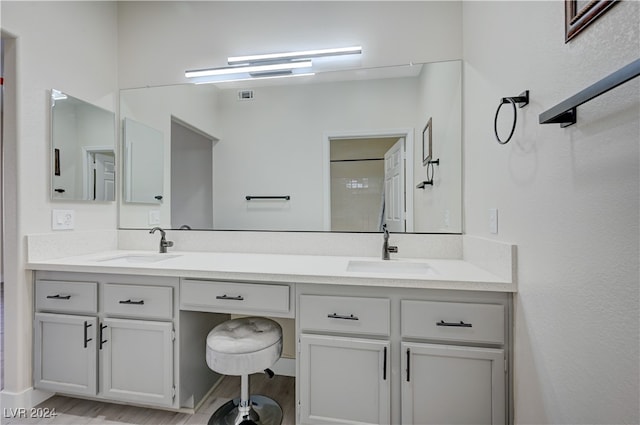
column 329, row 270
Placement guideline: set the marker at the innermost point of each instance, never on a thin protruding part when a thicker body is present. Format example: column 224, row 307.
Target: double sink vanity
column 398, row 341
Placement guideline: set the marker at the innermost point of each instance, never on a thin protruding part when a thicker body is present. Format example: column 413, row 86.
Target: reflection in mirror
column 305, row 143
column 143, row 163
column 83, row 154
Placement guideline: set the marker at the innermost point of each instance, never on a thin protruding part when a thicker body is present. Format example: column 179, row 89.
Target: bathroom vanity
column 399, row 341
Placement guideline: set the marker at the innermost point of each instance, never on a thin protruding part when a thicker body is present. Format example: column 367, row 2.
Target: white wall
column 192, row 105
column 569, row 198
column 273, row 145
column 158, row 41
column 438, row 208
column 70, row 46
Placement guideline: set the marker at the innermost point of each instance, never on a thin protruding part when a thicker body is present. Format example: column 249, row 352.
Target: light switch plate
column 63, row 219
column 493, row 220
column 154, row 217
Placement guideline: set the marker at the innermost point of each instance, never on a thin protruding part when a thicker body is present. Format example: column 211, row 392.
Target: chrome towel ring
column 522, row 100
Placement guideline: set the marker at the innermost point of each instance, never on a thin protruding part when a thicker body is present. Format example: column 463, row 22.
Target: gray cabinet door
column 137, row 361
column 445, row 384
column 65, row 353
column 344, row 380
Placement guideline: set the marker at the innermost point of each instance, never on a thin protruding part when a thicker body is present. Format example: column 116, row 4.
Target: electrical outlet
column 63, row 219
column 493, row 220
column 154, row 217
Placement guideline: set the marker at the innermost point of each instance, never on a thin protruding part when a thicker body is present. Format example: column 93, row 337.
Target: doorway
column 365, row 181
column 191, row 176
column 99, row 174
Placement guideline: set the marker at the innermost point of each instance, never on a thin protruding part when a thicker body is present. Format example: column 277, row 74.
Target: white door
column 104, row 177
column 137, row 361
column 394, row 208
column 445, row 384
column 65, row 353
column 344, row 380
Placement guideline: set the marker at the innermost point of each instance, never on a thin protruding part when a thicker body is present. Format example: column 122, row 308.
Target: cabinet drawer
column 344, row 314
column 66, row 297
column 233, row 297
column 452, row 321
column 154, row 302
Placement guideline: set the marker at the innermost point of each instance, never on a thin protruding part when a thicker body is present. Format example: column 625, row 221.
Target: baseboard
column 285, row 367
column 23, row 400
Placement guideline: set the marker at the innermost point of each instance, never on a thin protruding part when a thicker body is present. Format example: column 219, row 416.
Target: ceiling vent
column 245, row 95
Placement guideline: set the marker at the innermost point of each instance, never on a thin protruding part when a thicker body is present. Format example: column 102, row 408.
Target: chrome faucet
column 386, row 248
column 164, row 244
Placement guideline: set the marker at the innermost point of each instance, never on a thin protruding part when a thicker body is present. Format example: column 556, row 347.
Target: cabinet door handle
column 87, row 325
column 408, row 365
column 460, row 324
column 384, row 365
column 226, row 297
column 59, row 297
column 342, row 316
column 141, row 302
column 102, row 341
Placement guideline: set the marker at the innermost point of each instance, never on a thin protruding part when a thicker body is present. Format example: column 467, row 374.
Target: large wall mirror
column 338, row 151
column 82, row 150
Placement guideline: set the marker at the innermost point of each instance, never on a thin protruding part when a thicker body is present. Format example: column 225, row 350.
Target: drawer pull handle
column 59, row 297
column 102, row 341
column 343, row 317
column 87, row 325
column 408, row 365
column 141, row 302
column 226, row 297
column 384, row 365
column 460, row 324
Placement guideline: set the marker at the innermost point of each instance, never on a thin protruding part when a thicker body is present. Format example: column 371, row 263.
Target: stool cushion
column 244, row 346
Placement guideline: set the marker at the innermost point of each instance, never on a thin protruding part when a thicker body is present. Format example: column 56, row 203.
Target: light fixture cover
column 247, row 69
column 303, row 54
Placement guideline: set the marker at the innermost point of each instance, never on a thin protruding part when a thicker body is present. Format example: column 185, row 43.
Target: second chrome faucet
column 164, row 243
column 386, row 248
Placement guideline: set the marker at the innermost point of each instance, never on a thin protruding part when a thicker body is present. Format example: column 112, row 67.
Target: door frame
column 88, row 153
column 406, row 133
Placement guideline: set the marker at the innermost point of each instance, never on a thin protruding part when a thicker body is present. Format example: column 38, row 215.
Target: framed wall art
column 426, row 143
column 579, row 14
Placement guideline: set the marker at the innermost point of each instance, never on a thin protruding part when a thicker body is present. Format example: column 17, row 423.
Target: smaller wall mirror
column 83, row 150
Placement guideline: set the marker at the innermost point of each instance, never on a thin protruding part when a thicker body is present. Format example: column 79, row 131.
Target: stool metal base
column 264, row 411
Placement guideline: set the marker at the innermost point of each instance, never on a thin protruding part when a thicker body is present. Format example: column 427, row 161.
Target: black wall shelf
column 564, row 113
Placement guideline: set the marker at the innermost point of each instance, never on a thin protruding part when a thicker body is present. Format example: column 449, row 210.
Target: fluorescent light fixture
column 246, row 69
column 243, row 77
column 304, row 54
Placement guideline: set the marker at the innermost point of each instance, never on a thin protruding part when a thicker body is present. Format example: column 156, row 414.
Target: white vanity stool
column 241, row 347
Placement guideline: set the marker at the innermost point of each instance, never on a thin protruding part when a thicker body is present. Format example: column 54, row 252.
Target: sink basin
column 138, row 258
column 388, row 266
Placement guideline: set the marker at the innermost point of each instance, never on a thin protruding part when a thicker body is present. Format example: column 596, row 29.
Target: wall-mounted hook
column 522, row 100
